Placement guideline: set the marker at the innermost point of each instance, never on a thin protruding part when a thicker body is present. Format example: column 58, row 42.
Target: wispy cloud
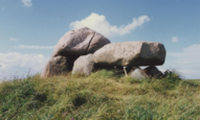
column 101, row 25
column 18, row 59
column 174, row 39
column 27, row 3
column 17, row 62
column 13, row 39
column 35, row 47
column 3, row 8
column 187, row 61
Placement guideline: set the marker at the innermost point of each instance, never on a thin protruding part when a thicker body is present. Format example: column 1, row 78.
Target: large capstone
column 135, row 53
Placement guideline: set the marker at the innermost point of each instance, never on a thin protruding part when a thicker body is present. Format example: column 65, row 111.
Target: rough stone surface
column 138, row 74
column 83, row 65
column 79, row 42
column 152, row 71
column 135, row 53
column 56, row 66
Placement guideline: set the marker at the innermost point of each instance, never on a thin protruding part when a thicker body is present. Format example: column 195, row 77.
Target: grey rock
column 83, row 65
column 135, row 53
column 138, row 74
column 56, row 66
column 79, row 42
column 153, row 71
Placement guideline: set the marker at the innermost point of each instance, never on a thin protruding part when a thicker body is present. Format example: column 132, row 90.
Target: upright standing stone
column 138, row 74
column 56, row 66
column 153, row 71
column 83, row 65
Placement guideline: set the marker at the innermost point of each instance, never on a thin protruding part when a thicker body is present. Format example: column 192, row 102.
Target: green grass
column 100, row 96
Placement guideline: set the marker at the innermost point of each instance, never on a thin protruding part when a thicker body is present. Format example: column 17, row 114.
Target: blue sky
column 29, row 29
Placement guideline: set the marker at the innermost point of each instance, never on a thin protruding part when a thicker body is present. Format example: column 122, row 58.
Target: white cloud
column 101, row 25
column 187, row 61
column 13, row 39
column 35, row 47
column 16, row 62
column 174, row 39
column 27, row 3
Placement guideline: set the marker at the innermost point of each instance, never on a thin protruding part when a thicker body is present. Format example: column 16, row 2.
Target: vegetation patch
column 102, row 95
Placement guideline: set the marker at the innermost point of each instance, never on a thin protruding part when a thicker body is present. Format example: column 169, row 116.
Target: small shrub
column 170, row 81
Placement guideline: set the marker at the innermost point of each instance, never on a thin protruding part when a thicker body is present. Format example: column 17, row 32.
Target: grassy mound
column 102, row 95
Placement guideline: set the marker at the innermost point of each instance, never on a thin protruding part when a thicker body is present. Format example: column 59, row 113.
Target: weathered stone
column 83, row 65
column 56, row 66
column 79, row 42
column 138, row 74
column 135, row 53
column 152, row 71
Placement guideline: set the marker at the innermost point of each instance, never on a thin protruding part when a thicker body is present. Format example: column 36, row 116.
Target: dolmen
column 70, row 47
column 83, row 50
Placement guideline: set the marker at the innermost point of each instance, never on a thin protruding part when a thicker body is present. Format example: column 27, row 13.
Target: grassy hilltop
column 100, row 96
